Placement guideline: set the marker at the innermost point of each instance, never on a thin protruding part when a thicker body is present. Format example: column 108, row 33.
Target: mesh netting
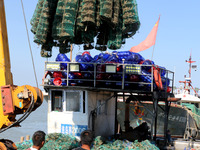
column 106, row 10
column 97, row 17
column 130, row 17
column 54, row 141
column 195, row 113
column 88, row 12
column 36, row 16
column 58, row 141
column 42, row 28
column 115, row 35
column 61, row 23
column 24, row 145
column 116, row 12
column 64, row 20
column 102, row 37
column 100, row 144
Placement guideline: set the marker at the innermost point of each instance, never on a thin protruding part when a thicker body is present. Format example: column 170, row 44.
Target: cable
column 24, row 116
column 29, row 43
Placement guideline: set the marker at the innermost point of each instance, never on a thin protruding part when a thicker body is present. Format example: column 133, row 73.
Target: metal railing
column 107, row 75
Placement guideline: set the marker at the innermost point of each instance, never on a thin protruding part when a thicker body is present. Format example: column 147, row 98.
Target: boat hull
column 177, row 118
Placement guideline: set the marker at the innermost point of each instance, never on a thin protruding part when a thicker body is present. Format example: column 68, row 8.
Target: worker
column 169, row 139
column 86, row 140
column 38, row 139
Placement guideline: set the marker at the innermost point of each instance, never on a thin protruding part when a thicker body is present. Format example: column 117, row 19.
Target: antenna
column 190, row 64
column 188, row 80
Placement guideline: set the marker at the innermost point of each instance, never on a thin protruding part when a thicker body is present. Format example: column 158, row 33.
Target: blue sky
column 178, row 34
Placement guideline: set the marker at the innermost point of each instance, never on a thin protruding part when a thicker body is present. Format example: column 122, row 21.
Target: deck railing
column 107, row 75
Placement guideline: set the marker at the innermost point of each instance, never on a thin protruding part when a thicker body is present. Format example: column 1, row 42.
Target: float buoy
column 157, row 78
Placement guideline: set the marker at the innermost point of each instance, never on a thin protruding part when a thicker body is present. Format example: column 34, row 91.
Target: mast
column 188, row 80
column 190, row 65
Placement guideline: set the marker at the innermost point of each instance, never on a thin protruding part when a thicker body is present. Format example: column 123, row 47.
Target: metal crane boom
column 13, row 99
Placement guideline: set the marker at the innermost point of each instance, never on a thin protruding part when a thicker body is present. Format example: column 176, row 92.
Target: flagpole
column 155, row 43
column 148, row 42
column 153, row 51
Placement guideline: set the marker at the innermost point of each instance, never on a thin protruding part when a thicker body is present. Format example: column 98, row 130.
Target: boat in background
column 183, row 117
column 187, row 93
column 190, row 100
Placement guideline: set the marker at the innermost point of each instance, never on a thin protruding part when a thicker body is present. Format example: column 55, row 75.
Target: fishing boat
column 183, row 117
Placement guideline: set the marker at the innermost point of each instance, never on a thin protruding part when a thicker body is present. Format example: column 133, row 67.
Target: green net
column 116, row 12
column 115, row 35
column 54, row 141
column 43, row 28
column 101, row 144
column 58, row 141
column 46, row 50
column 130, row 17
column 88, row 12
column 64, row 20
column 97, row 17
column 24, row 145
column 61, row 23
column 36, row 16
column 64, row 47
column 102, row 37
column 79, row 28
column 115, row 39
column 106, row 10
column 195, row 113
column 79, row 23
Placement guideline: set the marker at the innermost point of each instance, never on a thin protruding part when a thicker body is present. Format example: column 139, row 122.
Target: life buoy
column 157, row 78
column 45, row 75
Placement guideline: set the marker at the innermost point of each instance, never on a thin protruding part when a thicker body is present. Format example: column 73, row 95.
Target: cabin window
column 57, row 104
column 73, row 101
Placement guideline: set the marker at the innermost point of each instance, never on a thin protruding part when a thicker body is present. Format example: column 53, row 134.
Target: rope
column 29, row 43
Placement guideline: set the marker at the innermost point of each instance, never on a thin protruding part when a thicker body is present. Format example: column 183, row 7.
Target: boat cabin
column 81, row 99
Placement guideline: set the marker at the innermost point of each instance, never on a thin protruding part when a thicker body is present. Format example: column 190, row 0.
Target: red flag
column 149, row 41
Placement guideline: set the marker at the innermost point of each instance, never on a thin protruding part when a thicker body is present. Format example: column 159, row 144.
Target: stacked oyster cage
column 98, row 24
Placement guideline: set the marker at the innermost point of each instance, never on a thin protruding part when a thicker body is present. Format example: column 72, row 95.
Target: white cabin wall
column 63, row 122
column 67, row 122
column 55, row 119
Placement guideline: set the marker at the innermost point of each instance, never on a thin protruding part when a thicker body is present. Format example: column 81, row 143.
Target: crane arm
column 13, row 99
column 5, row 71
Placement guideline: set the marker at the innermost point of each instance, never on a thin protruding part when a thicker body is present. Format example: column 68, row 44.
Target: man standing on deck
column 86, row 140
column 38, row 140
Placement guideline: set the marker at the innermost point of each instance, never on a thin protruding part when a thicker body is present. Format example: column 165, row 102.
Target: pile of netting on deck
column 122, row 145
column 194, row 112
column 54, row 141
column 61, row 23
column 58, row 141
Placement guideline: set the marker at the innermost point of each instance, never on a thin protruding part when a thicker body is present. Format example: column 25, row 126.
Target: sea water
column 37, row 120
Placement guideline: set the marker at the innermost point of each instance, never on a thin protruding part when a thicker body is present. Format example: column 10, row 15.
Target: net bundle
column 59, row 141
column 54, row 141
column 100, row 144
column 61, row 23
